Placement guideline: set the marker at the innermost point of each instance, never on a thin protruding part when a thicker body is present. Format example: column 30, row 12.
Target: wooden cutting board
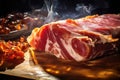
column 103, row 68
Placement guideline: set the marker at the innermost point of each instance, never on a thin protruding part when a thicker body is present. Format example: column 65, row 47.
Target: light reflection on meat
column 68, row 39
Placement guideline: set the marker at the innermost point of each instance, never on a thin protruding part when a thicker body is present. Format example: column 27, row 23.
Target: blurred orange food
column 12, row 52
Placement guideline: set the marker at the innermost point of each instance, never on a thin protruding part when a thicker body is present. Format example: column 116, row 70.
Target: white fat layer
column 85, row 28
column 71, row 51
column 55, row 47
column 103, row 39
column 67, row 46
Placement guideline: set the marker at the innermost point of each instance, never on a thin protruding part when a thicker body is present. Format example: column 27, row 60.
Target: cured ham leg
column 68, row 39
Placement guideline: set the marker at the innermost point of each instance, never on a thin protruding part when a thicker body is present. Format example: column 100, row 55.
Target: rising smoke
column 53, row 10
column 59, row 10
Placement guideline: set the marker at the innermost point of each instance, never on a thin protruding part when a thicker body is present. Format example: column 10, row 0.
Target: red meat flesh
column 68, row 39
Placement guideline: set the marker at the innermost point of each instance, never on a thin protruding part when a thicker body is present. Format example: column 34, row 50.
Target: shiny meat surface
column 78, row 39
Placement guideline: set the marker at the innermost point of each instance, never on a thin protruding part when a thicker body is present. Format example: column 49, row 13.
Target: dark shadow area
column 62, row 7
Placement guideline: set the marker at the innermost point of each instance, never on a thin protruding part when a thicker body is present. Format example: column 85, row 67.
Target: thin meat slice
column 67, row 40
column 105, row 24
column 108, row 24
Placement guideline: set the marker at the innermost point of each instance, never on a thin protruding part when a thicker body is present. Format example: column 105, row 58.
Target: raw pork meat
column 80, row 39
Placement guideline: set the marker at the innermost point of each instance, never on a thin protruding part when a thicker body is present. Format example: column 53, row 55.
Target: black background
column 8, row 6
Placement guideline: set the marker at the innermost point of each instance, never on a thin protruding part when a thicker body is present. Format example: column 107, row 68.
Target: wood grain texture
column 103, row 68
